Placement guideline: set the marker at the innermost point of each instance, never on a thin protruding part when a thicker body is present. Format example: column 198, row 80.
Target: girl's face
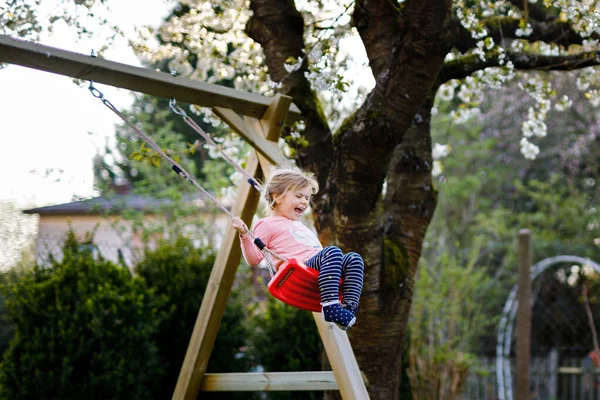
column 292, row 204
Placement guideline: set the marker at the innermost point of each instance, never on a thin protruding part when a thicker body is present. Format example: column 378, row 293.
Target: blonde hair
column 285, row 179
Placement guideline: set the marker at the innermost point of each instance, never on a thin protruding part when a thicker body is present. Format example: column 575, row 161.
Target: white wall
column 112, row 235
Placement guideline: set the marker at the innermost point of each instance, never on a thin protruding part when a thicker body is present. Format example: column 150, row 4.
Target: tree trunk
column 390, row 239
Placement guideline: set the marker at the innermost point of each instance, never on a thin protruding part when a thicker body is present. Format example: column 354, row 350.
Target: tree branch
column 378, row 25
column 465, row 66
column 279, row 27
column 535, row 11
column 364, row 148
column 502, row 28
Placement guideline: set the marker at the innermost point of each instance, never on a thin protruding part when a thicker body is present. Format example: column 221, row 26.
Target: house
column 113, row 234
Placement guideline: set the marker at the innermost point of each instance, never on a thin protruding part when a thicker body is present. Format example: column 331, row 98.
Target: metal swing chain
column 179, row 111
column 182, row 172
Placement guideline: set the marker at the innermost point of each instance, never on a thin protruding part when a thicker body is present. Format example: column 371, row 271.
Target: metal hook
column 176, row 109
column 95, row 92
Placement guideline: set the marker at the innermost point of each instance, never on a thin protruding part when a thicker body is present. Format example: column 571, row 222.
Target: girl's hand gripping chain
column 239, row 226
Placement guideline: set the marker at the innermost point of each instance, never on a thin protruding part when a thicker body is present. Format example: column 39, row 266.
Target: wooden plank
column 269, row 381
column 524, row 317
column 573, row 383
column 574, row 370
column 553, row 374
column 266, row 148
column 143, row 80
column 351, row 382
column 271, row 124
column 216, row 295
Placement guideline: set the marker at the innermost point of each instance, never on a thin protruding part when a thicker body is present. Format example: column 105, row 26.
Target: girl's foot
column 352, row 307
column 334, row 312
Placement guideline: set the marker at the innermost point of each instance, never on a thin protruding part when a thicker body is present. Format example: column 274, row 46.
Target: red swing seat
column 297, row 285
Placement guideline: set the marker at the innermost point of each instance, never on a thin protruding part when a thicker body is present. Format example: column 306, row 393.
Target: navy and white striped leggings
column 332, row 265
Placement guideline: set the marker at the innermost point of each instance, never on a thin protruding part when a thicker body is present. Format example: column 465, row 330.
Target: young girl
column 288, row 194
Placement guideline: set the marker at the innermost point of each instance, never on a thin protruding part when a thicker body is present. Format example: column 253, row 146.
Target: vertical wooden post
column 553, row 374
column 524, row 316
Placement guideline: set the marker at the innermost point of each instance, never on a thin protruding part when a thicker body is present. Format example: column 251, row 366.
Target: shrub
column 446, row 321
column 83, row 330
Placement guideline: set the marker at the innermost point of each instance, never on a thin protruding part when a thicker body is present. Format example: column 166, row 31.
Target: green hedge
column 84, row 329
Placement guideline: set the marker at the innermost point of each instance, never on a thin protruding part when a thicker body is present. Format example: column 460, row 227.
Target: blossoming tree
column 377, row 167
column 365, row 132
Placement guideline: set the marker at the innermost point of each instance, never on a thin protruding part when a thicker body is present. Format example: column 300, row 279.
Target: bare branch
column 378, row 24
column 279, row 27
column 560, row 33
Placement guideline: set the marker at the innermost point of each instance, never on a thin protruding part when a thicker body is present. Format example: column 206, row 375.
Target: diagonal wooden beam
column 143, row 80
column 341, row 357
column 265, row 164
column 221, row 279
column 216, row 294
column 251, row 135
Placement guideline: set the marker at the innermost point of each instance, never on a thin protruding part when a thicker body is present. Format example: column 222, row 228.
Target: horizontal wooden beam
column 137, row 79
column 269, row 381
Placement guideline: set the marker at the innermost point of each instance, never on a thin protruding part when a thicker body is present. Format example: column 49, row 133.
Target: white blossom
column 292, row 64
column 516, row 45
column 463, row 114
column 437, row 169
column 446, row 91
column 594, row 97
column 440, row 151
column 563, row 104
column 528, row 149
column 526, row 31
column 534, row 127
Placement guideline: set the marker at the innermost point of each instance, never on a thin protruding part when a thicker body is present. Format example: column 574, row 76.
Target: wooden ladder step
column 269, row 381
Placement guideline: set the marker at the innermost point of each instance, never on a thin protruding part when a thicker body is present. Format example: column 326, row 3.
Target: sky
column 51, row 128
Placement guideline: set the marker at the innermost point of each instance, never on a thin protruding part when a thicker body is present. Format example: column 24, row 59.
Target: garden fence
column 551, row 378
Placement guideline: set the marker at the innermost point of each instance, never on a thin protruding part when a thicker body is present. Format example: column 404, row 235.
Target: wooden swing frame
column 258, row 120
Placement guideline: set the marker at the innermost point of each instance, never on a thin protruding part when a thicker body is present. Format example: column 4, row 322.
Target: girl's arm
column 252, row 254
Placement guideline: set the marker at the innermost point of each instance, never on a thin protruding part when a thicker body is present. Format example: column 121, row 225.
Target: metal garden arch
column 503, row 375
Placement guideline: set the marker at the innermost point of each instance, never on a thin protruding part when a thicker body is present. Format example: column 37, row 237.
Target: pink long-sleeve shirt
column 282, row 235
